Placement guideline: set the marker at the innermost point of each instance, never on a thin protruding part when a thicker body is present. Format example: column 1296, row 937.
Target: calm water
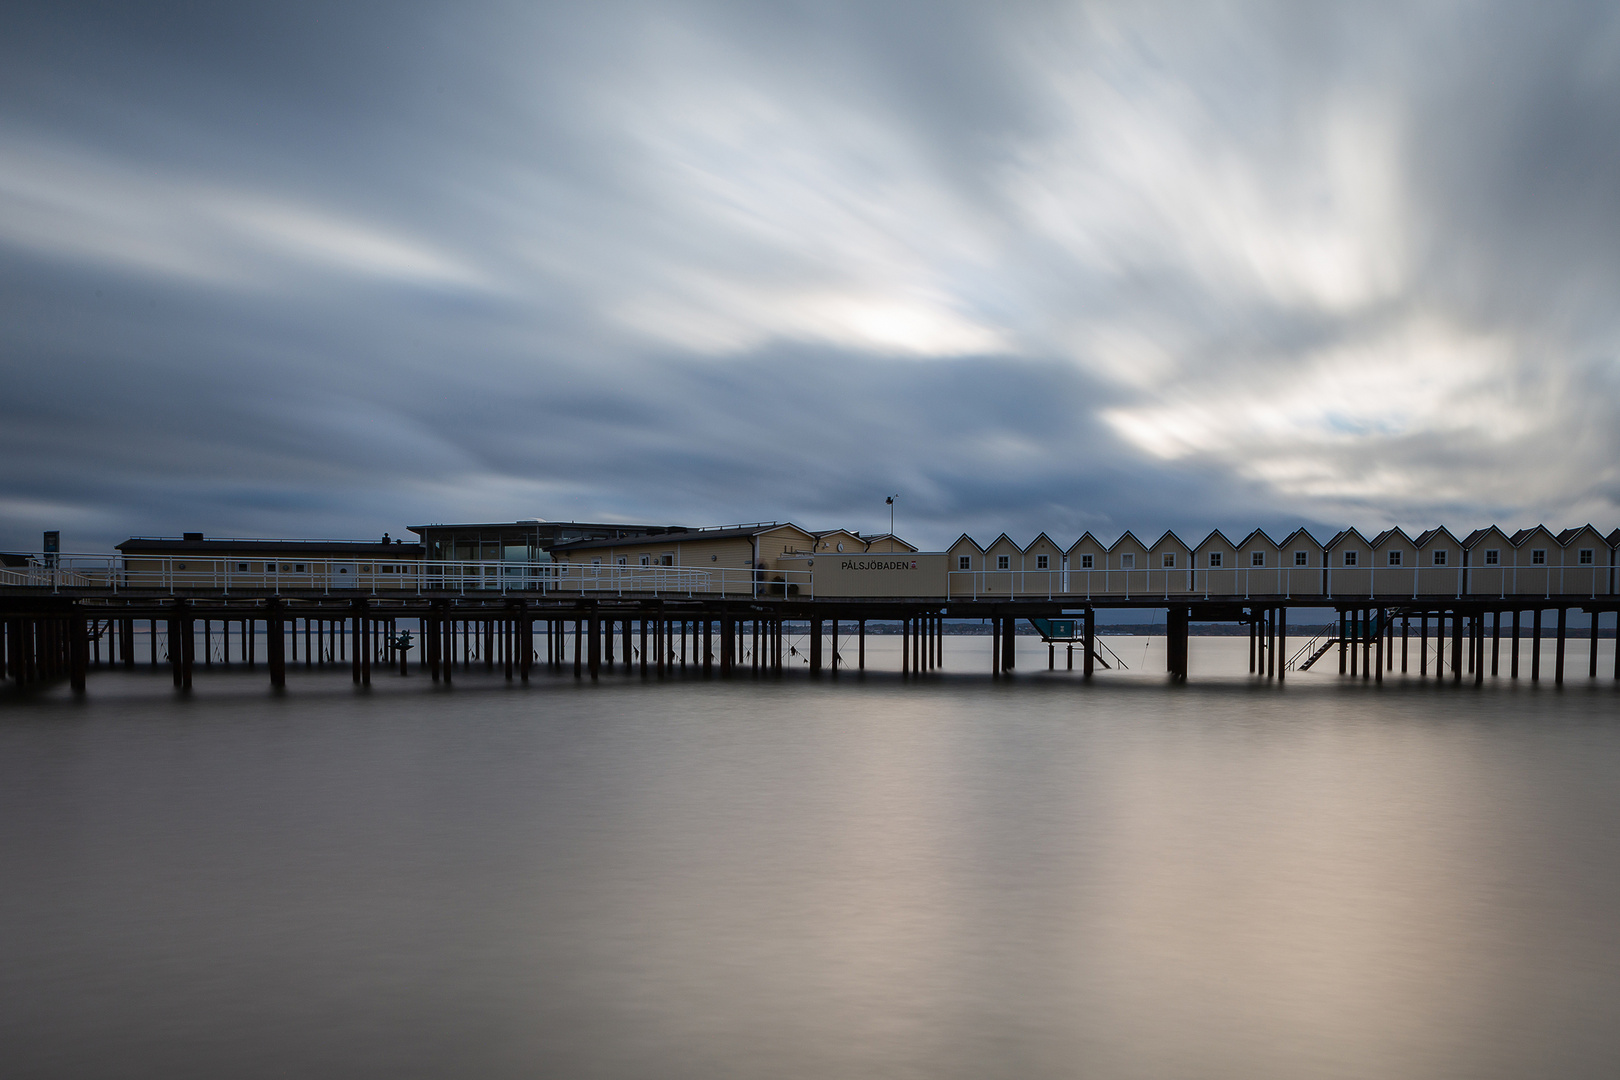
column 857, row 878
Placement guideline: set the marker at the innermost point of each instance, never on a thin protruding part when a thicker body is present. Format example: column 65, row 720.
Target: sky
column 333, row 269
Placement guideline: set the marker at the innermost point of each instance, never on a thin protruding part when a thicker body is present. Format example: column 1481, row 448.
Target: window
column 1001, row 561
column 1257, row 558
column 1041, row 562
column 596, row 564
column 1085, row 562
column 964, row 562
column 1350, row 558
column 1586, row 556
column 1214, row 558
column 1493, row 557
column 1440, row 557
column 666, row 560
column 241, row 567
column 1394, row 558
column 1169, row 558
column 1127, row 562
column 1302, row 558
column 646, row 560
column 298, row 567
column 623, row 561
column 1538, row 557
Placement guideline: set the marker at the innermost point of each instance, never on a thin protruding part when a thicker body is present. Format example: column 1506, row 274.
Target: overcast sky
column 339, row 269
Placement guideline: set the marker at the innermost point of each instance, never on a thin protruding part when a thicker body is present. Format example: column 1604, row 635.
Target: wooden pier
column 46, row 636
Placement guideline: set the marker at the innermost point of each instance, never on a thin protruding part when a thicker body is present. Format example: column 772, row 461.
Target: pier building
column 735, row 587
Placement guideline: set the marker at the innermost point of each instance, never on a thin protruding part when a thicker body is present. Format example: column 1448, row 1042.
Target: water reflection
column 862, row 877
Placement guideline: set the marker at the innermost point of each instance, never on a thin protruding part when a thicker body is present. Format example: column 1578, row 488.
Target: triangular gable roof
column 1523, row 535
column 970, row 540
column 1213, row 533
column 1042, row 536
column 1428, row 536
column 873, row 538
column 1343, row 536
column 1170, row 534
column 999, row 539
column 1613, row 538
column 1473, row 538
column 1301, row 531
column 1568, row 535
column 1390, row 534
column 1261, row 533
column 1127, row 535
column 1087, row 535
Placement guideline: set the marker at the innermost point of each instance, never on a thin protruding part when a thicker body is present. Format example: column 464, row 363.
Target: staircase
column 1314, row 649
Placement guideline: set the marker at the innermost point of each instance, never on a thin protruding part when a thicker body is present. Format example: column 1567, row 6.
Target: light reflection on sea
column 855, row 877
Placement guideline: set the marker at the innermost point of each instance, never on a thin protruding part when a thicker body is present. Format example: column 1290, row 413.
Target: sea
column 860, row 875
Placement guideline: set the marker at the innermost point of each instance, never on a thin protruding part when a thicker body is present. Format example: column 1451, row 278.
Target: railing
column 1308, row 651
column 1314, row 583
column 378, row 577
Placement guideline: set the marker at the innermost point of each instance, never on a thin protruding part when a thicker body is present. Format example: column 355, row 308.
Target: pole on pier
column 276, row 643
column 78, row 652
column 1343, row 642
column 861, row 654
column 1254, row 637
column 1282, row 644
column 1535, row 646
column 815, row 645
column 1479, row 649
column 1088, row 663
column 1456, row 646
column 1009, row 644
column 1176, row 642
column 593, row 635
column 1496, row 643
column 1558, row 656
column 1591, row 652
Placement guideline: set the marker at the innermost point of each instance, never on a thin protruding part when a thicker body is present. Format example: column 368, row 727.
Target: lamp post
column 890, row 501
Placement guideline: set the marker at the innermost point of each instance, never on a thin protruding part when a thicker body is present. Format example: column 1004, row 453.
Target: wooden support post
column 1009, row 644
column 1496, row 643
column 78, row 652
column 1591, row 652
column 815, row 645
column 1513, row 657
column 861, row 635
column 276, row 644
column 1175, row 627
column 1271, row 645
column 708, row 646
column 1343, row 631
column 1479, row 649
column 1254, row 639
column 835, row 645
column 1558, row 653
column 905, row 646
column 1456, row 646
column 447, row 644
column 1535, row 646
column 1088, row 662
column 367, row 645
column 1282, row 644
column 593, row 637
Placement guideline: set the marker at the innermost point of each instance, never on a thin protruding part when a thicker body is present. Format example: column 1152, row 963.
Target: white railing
column 380, row 577
column 1315, row 583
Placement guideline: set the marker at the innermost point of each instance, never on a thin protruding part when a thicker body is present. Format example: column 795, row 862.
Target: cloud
column 1034, row 266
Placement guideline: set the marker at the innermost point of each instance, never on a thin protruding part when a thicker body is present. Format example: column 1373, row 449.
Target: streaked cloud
column 1034, row 266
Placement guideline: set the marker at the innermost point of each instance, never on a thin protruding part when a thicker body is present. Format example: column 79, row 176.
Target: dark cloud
column 312, row 271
